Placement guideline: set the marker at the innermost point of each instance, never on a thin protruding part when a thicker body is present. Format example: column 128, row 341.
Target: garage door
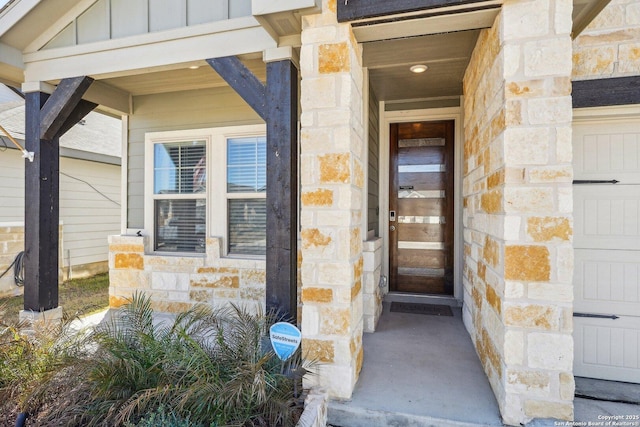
column 607, row 248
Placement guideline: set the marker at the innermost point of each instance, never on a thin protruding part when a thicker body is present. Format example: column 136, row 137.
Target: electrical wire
column 18, row 269
column 94, row 188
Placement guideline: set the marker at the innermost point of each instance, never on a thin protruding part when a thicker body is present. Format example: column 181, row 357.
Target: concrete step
column 341, row 414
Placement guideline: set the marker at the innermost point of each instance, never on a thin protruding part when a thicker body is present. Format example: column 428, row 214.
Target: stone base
column 46, row 317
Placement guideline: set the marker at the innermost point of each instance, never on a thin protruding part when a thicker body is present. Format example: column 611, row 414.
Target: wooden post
column 282, row 187
column 277, row 104
column 47, row 118
column 41, row 212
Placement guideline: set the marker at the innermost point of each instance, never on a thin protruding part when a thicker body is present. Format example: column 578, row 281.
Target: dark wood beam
column 243, row 81
column 282, row 188
column 47, row 118
column 82, row 109
column 354, row 10
column 41, row 212
column 605, row 92
column 61, row 104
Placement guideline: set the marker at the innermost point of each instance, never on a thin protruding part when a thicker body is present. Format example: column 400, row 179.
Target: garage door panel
column 607, row 216
column 607, row 249
column 608, row 349
column 606, row 151
column 607, row 282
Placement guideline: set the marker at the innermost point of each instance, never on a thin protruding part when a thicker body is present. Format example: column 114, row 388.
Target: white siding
column 11, row 186
column 88, row 218
column 176, row 111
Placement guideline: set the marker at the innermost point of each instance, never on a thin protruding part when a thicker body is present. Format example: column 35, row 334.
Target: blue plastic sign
column 285, row 339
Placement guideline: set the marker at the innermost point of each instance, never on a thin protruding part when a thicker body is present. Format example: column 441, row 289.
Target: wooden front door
column 421, row 207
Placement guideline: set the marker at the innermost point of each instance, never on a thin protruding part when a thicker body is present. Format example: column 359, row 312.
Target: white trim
column 69, row 17
column 605, row 113
column 11, row 56
column 264, row 7
column 365, row 156
column 449, row 113
column 124, row 176
column 172, row 49
column 216, row 212
column 15, row 12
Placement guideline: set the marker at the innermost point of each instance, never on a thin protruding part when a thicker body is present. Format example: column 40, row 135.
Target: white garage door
column 607, row 248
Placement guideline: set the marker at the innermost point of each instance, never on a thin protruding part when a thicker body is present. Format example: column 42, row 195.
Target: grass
column 77, row 297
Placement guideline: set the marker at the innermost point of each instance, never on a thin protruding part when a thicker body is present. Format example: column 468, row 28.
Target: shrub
column 205, row 368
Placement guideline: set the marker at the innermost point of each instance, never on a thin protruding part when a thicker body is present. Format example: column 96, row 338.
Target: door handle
column 392, row 228
column 596, row 316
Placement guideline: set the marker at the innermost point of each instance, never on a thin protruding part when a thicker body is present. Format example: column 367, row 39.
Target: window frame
column 216, row 196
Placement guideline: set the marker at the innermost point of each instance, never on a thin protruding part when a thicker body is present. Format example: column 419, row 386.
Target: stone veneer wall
column 176, row 283
column 610, row 45
column 373, row 293
column 332, row 190
column 11, row 243
column 517, row 211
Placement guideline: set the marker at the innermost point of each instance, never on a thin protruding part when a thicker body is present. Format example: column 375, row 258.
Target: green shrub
column 205, row 368
column 161, row 418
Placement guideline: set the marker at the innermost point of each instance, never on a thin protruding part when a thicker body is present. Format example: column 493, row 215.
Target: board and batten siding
column 87, row 217
column 113, row 19
column 373, row 185
column 196, row 109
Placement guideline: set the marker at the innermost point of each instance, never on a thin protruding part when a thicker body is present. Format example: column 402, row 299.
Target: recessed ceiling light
column 418, row 68
column 194, row 67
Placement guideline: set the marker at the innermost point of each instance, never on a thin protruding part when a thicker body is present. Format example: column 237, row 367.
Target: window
column 209, row 182
column 246, row 191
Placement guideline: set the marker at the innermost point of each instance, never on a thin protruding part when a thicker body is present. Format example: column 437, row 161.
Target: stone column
column 332, row 188
column 518, row 208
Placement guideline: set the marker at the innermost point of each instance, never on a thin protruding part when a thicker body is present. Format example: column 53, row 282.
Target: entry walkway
column 419, row 370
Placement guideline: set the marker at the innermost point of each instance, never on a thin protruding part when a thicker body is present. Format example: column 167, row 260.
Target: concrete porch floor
column 419, row 370
column 422, row 371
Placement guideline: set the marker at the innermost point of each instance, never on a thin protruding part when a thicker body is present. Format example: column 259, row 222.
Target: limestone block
column 335, row 168
column 528, row 200
column 526, row 146
column 550, row 292
column 253, row 277
column 564, row 144
column 317, row 295
column 550, row 351
column 335, row 273
column 512, row 227
column 562, row 17
column 525, row 19
column 316, row 140
column 564, row 263
column 548, row 174
column 530, row 316
column 546, row 409
column 513, row 289
column 318, row 350
column 531, row 383
column 310, row 320
column 629, row 58
column 549, row 110
column 319, row 92
column 548, row 57
column 335, row 321
column 318, row 35
column 334, row 58
column 544, row 229
column 593, row 61
column 567, row 386
column 514, row 348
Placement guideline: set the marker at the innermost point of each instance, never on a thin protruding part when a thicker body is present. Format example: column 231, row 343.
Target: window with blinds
column 179, row 193
column 246, row 195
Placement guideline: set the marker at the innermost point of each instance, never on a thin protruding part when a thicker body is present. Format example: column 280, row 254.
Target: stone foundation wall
column 372, row 291
column 610, row 45
column 517, row 211
column 12, row 243
column 332, row 190
column 176, row 283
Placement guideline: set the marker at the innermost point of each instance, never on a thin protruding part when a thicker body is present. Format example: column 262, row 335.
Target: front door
column 606, row 191
column 421, row 207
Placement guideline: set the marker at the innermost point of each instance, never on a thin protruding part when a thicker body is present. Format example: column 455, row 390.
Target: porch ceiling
column 442, row 42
